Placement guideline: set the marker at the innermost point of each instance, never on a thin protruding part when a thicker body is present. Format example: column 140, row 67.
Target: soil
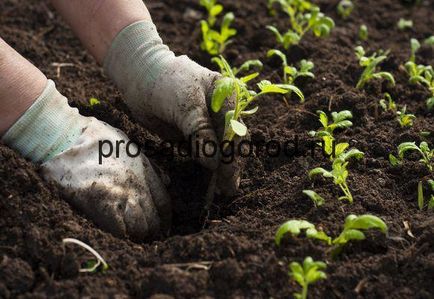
column 232, row 254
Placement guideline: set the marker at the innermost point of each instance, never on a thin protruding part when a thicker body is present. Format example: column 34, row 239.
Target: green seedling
column 315, row 197
column 213, row 9
column 427, row 155
column 363, row 33
column 307, row 274
column 420, row 74
column 290, row 73
column 92, row 266
column 371, row 65
column 404, row 24
column 304, row 17
column 405, row 119
column 93, row 102
column 387, row 103
column 354, row 227
column 339, row 172
column 230, row 85
column 294, row 227
column 353, row 230
column 345, row 8
column 340, row 120
column 429, row 41
column 215, row 42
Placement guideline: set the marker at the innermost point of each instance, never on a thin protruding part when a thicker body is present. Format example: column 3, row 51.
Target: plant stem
column 304, row 292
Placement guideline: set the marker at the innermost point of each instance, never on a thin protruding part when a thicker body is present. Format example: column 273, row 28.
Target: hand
column 122, row 195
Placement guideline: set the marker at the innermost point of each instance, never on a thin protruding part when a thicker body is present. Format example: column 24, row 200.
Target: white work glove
column 122, row 195
column 169, row 94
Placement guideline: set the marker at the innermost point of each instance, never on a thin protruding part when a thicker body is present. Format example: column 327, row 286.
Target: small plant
column 213, row 10
column 340, row 120
column 215, row 42
column 93, row 102
column 354, row 227
column 405, row 119
column 307, row 274
column 304, row 17
column 371, row 65
column 353, row 230
column 404, row 24
column 290, row 73
column 421, row 197
column 230, row 85
column 339, row 172
column 315, row 197
column 388, row 104
column 363, row 33
column 92, row 265
column 427, row 155
column 429, row 41
column 420, row 74
column 345, row 8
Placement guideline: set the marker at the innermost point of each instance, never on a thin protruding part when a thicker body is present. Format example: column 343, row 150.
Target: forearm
column 20, row 84
column 97, row 22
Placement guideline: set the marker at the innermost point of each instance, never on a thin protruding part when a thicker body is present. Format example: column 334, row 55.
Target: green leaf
column 365, row 222
column 247, row 65
column 393, row 160
column 94, row 101
column 250, row 112
column 239, row 128
column 224, row 88
column 341, row 116
column 293, row 227
column 290, row 87
column 249, row 77
column 278, row 53
column 322, row 171
column 315, row 197
column 267, row 87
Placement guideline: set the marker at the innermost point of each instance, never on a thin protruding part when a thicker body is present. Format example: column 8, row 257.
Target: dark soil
column 233, row 253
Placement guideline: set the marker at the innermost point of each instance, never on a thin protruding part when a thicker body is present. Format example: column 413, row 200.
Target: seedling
column 339, row 172
column 405, row 119
column 404, row 24
column 304, row 17
column 315, row 197
column 294, row 228
column 345, row 8
column 213, row 10
column 215, row 42
column 339, row 120
column 305, row 275
column 93, row 102
column 371, row 65
column 429, row 41
column 354, row 227
column 420, row 74
column 363, row 32
column 230, row 85
column 421, row 197
column 427, row 155
column 92, row 265
column 290, row 73
column 388, row 104
column 353, row 230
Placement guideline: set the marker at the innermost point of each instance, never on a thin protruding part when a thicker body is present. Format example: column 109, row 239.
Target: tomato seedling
column 421, row 196
column 363, row 33
column 304, row 17
column 405, row 119
column 427, row 155
column 420, row 74
column 290, row 73
column 370, row 65
column 215, row 42
column 315, row 197
column 345, row 8
column 307, row 274
column 229, row 84
column 404, row 24
column 387, row 103
column 294, row 227
column 213, row 9
column 340, row 120
column 339, row 172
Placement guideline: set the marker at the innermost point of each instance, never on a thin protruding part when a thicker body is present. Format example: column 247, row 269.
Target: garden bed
column 233, row 253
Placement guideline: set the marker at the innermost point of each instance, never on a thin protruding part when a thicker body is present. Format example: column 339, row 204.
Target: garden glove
column 122, row 195
column 165, row 92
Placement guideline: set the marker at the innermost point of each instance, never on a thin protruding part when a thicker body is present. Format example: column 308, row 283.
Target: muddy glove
column 122, row 195
column 165, row 92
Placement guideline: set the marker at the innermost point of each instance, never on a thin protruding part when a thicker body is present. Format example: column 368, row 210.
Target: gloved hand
column 168, row 94
column 122, row 195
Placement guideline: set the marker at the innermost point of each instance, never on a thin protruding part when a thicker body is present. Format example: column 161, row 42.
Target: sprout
column 99, row 259
column 307, row 274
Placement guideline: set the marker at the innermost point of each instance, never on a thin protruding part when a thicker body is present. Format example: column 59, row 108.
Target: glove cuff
column 137, row 56
column 47, row 128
